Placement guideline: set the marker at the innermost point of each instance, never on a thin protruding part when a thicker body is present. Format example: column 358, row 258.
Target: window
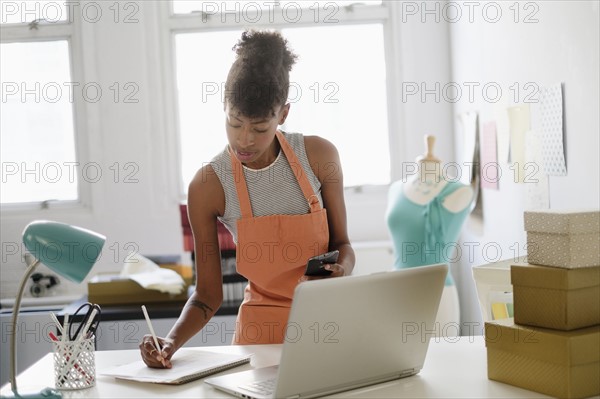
column 338, row 92
column 246, row 6
column 337, row 89
column 38, row 148
column 199, row 88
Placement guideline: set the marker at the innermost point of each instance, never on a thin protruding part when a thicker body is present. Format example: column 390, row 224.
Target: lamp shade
column 68, row 250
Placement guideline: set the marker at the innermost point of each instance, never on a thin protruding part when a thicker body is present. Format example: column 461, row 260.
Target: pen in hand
column 156, row 344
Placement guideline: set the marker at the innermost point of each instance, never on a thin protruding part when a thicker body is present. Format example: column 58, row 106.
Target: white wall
column 563, row 46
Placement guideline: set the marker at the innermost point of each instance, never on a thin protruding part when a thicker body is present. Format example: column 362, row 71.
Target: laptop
column 350, row 332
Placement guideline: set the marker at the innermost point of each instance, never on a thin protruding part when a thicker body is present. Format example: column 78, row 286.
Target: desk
column 454, row 368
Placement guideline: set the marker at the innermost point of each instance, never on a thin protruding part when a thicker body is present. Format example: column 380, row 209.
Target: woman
column 280, row 195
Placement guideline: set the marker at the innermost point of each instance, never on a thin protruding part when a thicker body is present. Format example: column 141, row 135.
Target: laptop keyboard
column 265, row 387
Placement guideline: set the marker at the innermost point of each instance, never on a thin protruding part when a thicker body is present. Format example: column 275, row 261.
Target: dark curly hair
column 258, row 80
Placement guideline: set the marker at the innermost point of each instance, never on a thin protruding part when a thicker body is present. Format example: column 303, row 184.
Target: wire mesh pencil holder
column 74, row 364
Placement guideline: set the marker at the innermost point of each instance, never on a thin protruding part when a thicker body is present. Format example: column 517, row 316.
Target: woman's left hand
column 337, row 270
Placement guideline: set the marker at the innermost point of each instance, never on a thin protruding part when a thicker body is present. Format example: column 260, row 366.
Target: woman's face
column 252, row 140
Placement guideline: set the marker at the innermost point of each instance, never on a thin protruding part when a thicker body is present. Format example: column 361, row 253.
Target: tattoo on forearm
column 202, row 306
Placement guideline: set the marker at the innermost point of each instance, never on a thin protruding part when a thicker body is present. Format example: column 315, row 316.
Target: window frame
column 71, row 30
column 172, row 24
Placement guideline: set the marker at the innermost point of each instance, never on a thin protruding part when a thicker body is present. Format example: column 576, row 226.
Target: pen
column 65, row 336
column 58, row 325
column 152, row 331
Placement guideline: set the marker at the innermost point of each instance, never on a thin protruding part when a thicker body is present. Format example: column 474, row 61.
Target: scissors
column 93, row 324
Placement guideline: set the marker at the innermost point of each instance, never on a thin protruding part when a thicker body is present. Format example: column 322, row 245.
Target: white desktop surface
column 454, row 368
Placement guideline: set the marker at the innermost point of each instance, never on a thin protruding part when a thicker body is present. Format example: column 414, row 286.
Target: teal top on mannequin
column 425, row 215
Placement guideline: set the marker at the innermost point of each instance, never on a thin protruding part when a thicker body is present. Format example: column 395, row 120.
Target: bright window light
column 337, row 91
column 340, row 94
column 37, row 140
column 203, row 60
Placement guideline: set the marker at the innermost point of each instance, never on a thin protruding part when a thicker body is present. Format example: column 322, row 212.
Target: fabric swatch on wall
column 551, row 124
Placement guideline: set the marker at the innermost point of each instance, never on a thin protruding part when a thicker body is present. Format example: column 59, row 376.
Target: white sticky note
column 520, row 123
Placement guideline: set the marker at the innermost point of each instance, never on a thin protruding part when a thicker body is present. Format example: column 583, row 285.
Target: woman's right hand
column 152, row 357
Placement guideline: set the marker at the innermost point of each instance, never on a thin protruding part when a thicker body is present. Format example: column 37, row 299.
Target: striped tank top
column 273, row 190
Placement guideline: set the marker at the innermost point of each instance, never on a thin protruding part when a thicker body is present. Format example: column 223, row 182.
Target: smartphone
column 316, row 264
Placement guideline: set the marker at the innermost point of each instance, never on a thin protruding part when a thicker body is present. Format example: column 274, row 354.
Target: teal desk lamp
column 69, row 251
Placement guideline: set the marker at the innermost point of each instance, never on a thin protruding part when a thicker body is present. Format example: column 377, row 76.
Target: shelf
column 230, row 307
column 228, row 253
column 234, row 278
column 133, row 311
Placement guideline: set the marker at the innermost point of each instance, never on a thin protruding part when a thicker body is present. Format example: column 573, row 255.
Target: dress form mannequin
column 425, row 215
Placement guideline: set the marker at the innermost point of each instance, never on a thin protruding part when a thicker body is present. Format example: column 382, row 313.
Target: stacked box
column 553, row 297
column 563, row 364
column 560, row 287
column 562, row 238
column 553, row 344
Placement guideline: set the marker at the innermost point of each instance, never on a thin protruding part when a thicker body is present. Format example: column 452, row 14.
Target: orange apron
column 271, row 253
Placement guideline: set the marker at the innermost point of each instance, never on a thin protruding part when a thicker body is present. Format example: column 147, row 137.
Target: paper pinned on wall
column 551, row 124
column 468, row 139
column 502, row 132
column 520, row 123
column 489, row 160
column 537, row 194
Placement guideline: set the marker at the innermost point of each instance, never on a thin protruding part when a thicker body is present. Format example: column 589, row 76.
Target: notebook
column 350, row 332
column 188, row 365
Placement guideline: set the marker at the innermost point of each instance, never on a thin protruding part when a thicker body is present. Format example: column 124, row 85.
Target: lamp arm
column 13, row 335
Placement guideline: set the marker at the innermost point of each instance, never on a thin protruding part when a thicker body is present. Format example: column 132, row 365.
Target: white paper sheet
column 502, row 132
column 151, row 276
column 489, row 161
column 468, row 141
column 188, row 365
column 520, row 123
column 537, row 194
column 551, row 124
